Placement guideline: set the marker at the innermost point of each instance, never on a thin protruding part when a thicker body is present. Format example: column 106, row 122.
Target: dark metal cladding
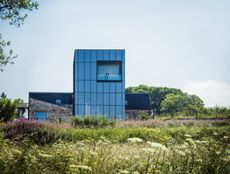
column 137, row 101
column 52, row 97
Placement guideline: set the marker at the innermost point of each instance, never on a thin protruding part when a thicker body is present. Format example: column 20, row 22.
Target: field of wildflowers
column 35, row 147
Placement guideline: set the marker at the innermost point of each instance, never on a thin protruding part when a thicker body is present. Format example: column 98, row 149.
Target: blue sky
column 181, row 44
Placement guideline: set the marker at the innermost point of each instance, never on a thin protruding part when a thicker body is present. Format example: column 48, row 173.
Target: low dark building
column 136, row 105
column 56, row 106
column 50, row 105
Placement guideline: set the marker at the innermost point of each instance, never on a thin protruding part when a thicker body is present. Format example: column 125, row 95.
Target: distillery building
column 98, row 90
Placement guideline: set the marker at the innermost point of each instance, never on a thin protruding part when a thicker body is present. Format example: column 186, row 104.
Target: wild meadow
column 102, row 147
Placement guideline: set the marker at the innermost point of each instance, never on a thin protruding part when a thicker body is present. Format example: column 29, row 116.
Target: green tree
column 14, row 12
column 157, row 95
column 7, row 109
column 175, row 104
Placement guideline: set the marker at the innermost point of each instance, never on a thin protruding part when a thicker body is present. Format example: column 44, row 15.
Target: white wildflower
column 135, row 140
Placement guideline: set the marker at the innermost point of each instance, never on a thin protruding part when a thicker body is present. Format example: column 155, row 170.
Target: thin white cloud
column 211, row 92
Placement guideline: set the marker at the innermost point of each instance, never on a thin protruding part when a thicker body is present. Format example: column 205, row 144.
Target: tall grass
column 103, row 157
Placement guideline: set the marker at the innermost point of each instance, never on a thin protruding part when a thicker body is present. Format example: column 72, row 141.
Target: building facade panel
column 99, row 82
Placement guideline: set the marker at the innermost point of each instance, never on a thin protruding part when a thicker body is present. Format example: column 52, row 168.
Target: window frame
column 101, row 62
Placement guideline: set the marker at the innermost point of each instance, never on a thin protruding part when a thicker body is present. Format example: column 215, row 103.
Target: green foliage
column 103, row 156
column 28, row 146
column 5, row 58
column 14, row 12
column 7, row 109
column 47, row 133
column 188, row 105
column 91, row 122
column 157, row 95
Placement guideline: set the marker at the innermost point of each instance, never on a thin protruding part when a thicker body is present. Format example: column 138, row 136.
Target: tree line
column 174, row 102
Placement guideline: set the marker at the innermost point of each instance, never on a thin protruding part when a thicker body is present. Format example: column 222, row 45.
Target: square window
column 58, row 101
column 109, row 71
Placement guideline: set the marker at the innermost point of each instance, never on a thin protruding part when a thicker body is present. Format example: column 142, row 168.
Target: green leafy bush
column 91, row 122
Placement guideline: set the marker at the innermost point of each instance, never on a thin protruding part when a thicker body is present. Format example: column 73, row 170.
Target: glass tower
column 99, row 83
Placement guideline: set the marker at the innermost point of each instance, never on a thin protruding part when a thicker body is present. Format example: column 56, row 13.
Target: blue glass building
column 99, row 83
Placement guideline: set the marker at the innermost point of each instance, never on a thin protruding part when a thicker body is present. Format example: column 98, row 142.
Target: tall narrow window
column 109, row 71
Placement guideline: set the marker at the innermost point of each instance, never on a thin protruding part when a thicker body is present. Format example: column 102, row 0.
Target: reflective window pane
column 81, row 109
column 87, row 71
column 81, row 98
column 100, row 111
column 87, row 86
column 93, row 86
column 112, row 55
column 112, row 112
column 106, row 110
column 109, row 71
column 81, row 56
column 93, row 98
column 87, row 109
column 112, row 87
column 118, row 99
column 118, row 112
column 81, row 71
column 112, row 99
column 81, row 86
column 93, row 71
column 99, row 98
column 100, row 87
column 93, row 110
column 106, row 55
column 119, row 55
column 122, row 98
column 93, row 56
column 106, row 87
column 118, row 87
column 99, row 55
column 106, row 98
column 87, row 98
column 87, row 55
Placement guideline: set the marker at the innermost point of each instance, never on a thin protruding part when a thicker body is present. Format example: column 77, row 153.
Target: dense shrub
column 47, row 133
column 91, row 122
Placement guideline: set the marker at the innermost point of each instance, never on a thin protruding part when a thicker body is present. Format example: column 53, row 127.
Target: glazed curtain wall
column 95, row 97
